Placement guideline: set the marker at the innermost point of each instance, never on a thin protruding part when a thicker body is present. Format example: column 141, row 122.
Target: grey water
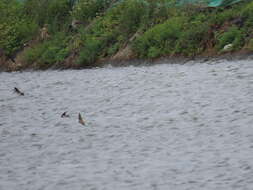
column 167, row 126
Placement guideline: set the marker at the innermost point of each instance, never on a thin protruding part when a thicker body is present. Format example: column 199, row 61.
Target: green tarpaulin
column 209, row 3
column 219, row 3
column 206, row 3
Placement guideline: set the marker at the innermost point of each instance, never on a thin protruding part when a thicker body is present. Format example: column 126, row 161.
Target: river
column 167, row 126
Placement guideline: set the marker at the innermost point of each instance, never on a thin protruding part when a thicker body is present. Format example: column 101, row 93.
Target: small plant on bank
column 89, row 53
column 232, row 36
column 194, row 36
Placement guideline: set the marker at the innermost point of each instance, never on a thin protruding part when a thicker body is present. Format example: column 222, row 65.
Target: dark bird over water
column 80, row 119
column 18, row 91
column 64, row 115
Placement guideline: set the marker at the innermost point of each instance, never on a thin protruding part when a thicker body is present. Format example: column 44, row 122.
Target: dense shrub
column 199, row 30
column 221, row 16
column 161, row 39
column 58, row 14
column 15, row 28
column 85, row 10
column 48, row 52
column 247, row 15
column 90, row 51
column 193, row 37
column 53, row 12
column 233, row 36
column 105, row 36
column 132, row 15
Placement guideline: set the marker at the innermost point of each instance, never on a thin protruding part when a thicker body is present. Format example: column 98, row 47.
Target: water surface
column 148, row 128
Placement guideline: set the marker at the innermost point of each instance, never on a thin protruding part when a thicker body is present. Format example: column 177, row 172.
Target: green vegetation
column 86, row 10
column 93, row 30
column 48, row 52
column 15, row 27
column 232, row 36
column 251, row 44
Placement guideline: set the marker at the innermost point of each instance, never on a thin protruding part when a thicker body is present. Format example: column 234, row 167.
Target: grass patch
column 49, row 52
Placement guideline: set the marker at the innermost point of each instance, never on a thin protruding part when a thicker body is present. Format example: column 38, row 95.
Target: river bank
column 10, row 66
column 42, row 35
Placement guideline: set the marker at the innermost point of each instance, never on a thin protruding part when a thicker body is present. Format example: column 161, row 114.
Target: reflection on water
column 160, row 127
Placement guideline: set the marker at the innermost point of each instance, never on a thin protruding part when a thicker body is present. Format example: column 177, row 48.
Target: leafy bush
column 15, row 28
column 132, row 15
column 160, row 39
column 113, row 49
column 247, row 15
column 222, row 16
column 48, row 52
column 86, row 10
column 154, row 52
column 53, row 12
column 90, row 51
column 108, row 33
column 233, row 36
column 194, row 35
column 33, row 54
column 58, row 13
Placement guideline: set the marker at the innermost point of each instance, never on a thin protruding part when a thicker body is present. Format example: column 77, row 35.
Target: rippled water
column 159, row 127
